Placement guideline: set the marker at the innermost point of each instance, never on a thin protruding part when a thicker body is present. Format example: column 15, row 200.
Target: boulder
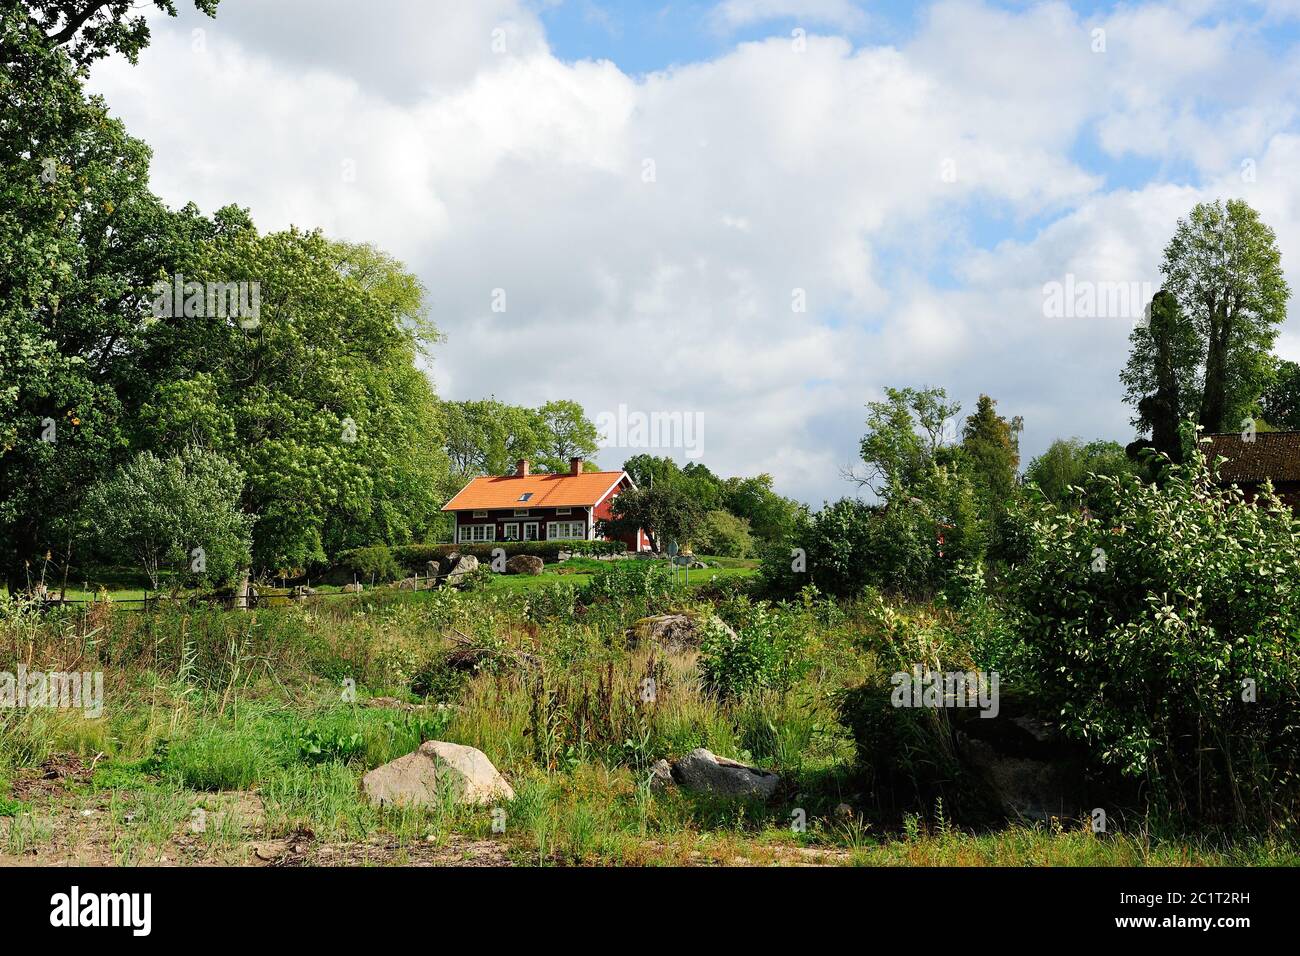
column 302, row 591
column 673, row 632
column 704, row 772
column 465, row 565
column 354, row 588
column 661, row 775
column 409, row 584
column 419, row 778
column 524, row 564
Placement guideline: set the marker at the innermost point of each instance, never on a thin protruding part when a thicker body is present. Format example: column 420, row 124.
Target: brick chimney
column 575, row 466
column 521, row 468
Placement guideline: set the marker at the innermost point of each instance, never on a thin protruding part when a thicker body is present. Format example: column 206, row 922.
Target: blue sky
column 654, row 186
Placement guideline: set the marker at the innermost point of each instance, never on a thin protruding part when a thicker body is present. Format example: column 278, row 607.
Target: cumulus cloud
column 767, row 238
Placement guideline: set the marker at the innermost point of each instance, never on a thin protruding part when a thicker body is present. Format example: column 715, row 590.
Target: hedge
column 415, row 558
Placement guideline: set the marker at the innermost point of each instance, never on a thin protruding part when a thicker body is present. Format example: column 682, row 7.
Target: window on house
column 480, row 514
column 562, row 511
column 565, row 530
column 525, row 496
column 510, row 531
column 530, row 531
column 522, row 512
column 478, row 532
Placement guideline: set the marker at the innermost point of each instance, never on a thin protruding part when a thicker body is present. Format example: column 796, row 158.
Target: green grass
column 210, row 705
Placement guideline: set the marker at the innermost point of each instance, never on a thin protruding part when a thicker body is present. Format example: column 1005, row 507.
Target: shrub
column 725, row 535
column 377, row 563
column 765, row 651
column 1160, row 625
column 623, row 582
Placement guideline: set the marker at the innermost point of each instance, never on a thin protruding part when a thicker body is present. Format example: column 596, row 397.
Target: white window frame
column 573, row 531
column 510, row 531
column 522, row 512
column 534, row 526
column 477, row 533
column 480, row 514
column 563, row 511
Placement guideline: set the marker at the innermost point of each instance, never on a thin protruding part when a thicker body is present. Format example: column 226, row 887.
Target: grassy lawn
column 126, row 584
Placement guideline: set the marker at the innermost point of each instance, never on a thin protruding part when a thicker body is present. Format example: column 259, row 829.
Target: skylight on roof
column 525, row 496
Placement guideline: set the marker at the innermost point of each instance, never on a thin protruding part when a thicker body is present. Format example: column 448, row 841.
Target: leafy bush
column 725, row 535
column 377, row 563
column 644, row 582
column 1160, row 625
column 765, row 650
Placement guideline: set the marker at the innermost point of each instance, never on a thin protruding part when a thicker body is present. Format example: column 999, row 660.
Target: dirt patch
column 52, row 778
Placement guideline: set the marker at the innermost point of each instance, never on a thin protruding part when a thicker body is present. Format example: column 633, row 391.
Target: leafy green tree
column 646, row 470
column 181, row 513
column 666, row 512
column 725, row 535
column 1158, row 626
column 88, row 30
column 1281, row 402
column 992, row 445
column 905, row 434
column 771, row 516
column 1224, row 268
column 319, row 402
column 487, row 437
column 81, row 241
column 566, row 433
column 1161, row 372
column 1068, row 463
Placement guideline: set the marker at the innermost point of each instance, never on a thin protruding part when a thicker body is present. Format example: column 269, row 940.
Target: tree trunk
column 1214, row 400
column 18, row 565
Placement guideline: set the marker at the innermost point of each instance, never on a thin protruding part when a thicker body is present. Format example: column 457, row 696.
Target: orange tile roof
column 548, row 491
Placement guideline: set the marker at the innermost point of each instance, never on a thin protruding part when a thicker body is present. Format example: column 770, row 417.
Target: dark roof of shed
column 1274, row 455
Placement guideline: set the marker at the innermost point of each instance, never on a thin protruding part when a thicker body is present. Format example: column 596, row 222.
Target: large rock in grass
column 419, row 779
column 704, row 772
column 464, row 566
column 673, row 632
column 524, row 564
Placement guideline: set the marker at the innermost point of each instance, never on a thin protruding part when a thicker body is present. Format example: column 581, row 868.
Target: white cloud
column 775, row 172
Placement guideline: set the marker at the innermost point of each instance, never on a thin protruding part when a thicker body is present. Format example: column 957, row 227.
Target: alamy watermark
column 1084, row 299
column 208, row 300
column 636, row 429
column 53, row 690
column 977, row 689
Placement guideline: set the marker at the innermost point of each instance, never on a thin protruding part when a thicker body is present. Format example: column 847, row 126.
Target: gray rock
column 673, row 632
column 524, row 564
column 419, row 778
column 465, row 565
column 661, row 775
column 355, row 588
column 704, row 772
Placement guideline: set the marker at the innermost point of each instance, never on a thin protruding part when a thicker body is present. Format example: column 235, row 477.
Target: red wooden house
column 539, row 507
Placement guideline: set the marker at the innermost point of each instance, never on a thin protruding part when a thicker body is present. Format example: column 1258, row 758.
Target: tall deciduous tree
column 88, row 30
column 566, row 433
column 81, row 241
column 904, row 436
column 1223, row 267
